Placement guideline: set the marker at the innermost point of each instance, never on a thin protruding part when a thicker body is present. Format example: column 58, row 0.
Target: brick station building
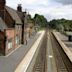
column 12, row 27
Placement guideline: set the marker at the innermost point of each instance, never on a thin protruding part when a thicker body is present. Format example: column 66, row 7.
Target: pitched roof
column 2, row 25
column 14, row 15
column 20, row 14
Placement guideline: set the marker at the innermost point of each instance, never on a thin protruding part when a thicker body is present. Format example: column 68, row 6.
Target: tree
column 40, row 20
column 61, row 24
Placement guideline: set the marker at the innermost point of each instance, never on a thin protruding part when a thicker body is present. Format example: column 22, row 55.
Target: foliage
column 61, row 24
column 40, row 20
column 29, row 19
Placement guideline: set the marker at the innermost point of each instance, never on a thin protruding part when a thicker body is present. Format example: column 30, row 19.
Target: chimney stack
column 2, row 4
column 2, row 8
column 19, row 8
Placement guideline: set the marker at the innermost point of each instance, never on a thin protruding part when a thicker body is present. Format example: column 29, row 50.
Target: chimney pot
column 19, row 8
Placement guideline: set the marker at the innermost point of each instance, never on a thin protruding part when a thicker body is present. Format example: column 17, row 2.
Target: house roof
column 20, row 14
column 2, row 25
column 14, row 15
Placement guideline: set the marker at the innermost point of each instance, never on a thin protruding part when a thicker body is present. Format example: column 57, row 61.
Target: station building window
column 17, row 39
column 9, row 43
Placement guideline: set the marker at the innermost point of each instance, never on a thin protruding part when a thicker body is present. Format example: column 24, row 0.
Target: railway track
column 40, row 63
column 62, row 62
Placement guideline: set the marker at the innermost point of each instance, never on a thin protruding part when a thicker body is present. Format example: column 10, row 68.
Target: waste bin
column 70, row 37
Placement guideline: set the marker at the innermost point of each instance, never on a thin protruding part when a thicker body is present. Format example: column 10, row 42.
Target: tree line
column 61, row 24
column 38, row 20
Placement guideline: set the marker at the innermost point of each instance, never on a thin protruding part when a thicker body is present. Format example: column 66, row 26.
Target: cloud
column 64, row 1
column 61, row 12
column 27, row 1
column 49, row 8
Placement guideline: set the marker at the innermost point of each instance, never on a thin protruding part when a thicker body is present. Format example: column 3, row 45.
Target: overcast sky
column 49, row 8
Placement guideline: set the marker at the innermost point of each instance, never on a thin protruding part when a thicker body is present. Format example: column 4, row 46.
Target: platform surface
column 65, row 44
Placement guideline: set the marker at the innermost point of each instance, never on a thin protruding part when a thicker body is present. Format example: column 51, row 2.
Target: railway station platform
column 22, row 55
column 30, row 57
column 64, row 43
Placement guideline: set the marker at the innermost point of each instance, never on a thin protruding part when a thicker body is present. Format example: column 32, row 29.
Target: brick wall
column 10, row 34
column 18, row 33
